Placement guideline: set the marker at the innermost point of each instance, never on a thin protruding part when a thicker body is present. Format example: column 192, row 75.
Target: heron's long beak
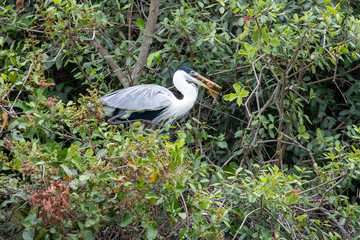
column 213, row 88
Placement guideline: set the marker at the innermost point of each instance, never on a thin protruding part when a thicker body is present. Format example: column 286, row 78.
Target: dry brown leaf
column 19, row 5
column 8, row 144
column 5, row 119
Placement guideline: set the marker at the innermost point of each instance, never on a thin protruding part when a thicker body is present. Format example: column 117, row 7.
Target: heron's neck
column 188, row 90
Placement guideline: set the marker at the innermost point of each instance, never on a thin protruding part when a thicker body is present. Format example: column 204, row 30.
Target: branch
column 322, row 184
column 329, row 215
column 145, row 46
column 300, row 146
column 255, row 91
column 244, row 222
column 57, row 55
column 26, row 29
column 113, row 65
column 17, row 97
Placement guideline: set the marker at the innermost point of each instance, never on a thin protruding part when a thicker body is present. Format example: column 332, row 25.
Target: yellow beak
column 213, row 88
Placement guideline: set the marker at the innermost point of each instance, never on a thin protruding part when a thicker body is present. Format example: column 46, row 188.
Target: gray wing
column 139, row 98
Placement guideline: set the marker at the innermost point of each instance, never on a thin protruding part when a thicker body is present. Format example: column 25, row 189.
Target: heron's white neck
column 179, row 107
column 188, row 90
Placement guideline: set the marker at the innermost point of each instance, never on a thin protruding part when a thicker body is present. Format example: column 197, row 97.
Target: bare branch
column 322, row 184
column 113, row 65
column 230, row 70
column 17, row 97
column 300, row 146
column 26, row 29
column 244, row 221
column 145, row 46
column 57, row 55
column 93, row 37
column 255, row 91
column 24, row 81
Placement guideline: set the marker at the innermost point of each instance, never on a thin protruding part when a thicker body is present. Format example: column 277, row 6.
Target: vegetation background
column 278, row 158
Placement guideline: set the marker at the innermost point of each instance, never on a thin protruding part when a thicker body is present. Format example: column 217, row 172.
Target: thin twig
column 26, row 29
column 17, row 97
column 244, row 221
column 229, row 70
column 24, row 81
column 344, row 232
column 227, row 161
column 333, row 186
column 320, row 185
column 93, row 37
column 247, row 102
column 111, row 62
column 222, row 112
column 57, row 55
column 330, row 78
column 184, row 202
column 300, row 146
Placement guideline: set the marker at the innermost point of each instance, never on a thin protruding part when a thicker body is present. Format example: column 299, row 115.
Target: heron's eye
column 192, row 73
column 210, row 84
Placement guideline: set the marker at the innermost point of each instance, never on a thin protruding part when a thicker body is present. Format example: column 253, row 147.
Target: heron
column 156, row 104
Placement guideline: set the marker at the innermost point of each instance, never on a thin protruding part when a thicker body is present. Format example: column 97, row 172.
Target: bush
column 278, row 158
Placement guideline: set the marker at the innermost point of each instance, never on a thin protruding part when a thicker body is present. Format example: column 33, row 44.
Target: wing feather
column 139, row 98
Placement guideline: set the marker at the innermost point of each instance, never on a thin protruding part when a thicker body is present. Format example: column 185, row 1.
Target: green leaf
column 230, row 97
column 28, row 234
column 76, row 160
column 87, row 234
column 239, row 101
column 85, row 176
column 275, row 42
column 271, row 118
column 127, row 220
column 89, row 152
column 293, row 199
column 151, row 233
column 250, row 50
column 182, row 215
column 302, row 129
column 255, row 122
column 153, row 56
column 243, row 93
column 3, row 76
column 205, row 203
column 306, row 135
column 180, row 188
column 67, row 170
column 222, row 144
column 108, row 176
column 140, row 23
column 126, row 6
column 151, row 195
column 271, row 133
column 332, row 156
column 296, row 18
column 237, row 87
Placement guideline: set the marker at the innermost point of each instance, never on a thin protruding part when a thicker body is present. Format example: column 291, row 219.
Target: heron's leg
column 112, row 122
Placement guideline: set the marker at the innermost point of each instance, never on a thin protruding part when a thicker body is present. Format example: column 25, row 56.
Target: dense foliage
column 278, row 158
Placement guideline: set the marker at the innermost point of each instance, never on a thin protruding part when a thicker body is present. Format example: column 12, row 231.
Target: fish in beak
column 213, row 88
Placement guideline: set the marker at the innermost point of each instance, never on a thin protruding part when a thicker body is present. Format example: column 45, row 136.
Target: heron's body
column 152, row 103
